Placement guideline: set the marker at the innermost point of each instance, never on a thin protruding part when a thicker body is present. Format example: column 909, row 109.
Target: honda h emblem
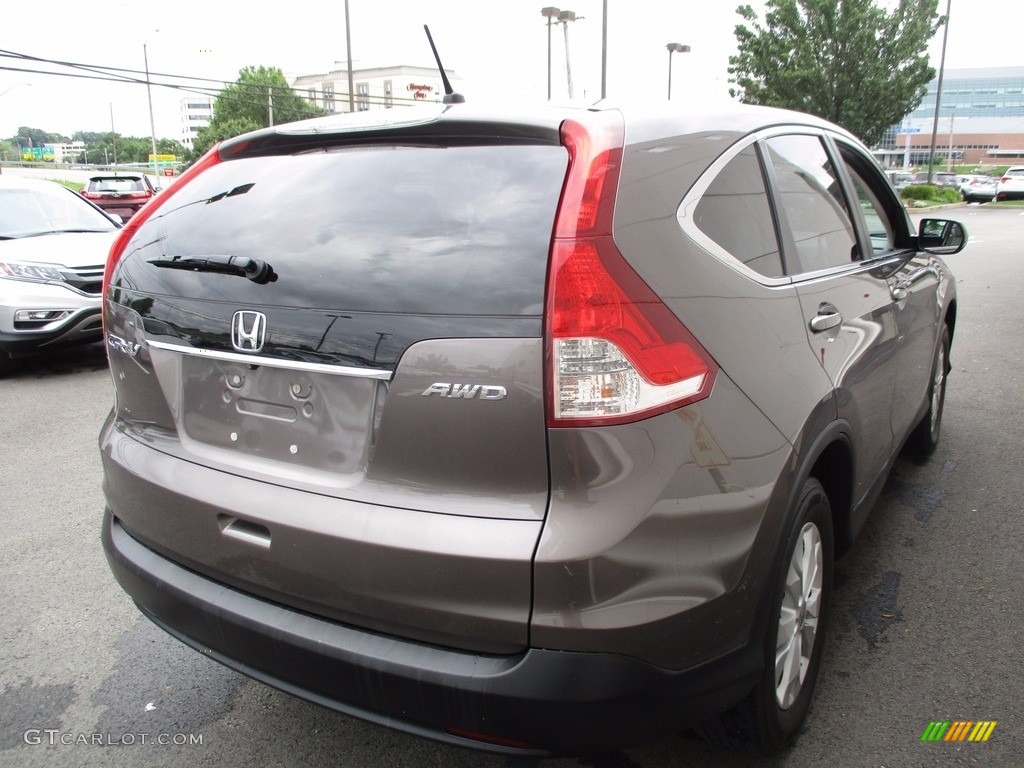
column 248, row 331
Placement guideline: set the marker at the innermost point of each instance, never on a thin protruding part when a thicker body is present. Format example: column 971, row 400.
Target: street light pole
column 149, row 95
column 564, row 18
column 674, row 48
column 549, row 13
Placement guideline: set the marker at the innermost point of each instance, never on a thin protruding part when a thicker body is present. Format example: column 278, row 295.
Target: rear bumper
column 536, row 702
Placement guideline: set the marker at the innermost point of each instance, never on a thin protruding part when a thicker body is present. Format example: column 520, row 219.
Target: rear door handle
column 825, row 319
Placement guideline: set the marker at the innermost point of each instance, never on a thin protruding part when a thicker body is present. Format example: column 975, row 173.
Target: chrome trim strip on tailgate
column 273, row 362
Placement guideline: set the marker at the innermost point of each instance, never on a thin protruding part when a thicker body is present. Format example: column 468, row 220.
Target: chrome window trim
column 684, row 213
column 274, row 362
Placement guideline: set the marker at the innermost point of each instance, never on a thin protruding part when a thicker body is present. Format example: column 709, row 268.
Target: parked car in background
column 1011, row 184
column 535, row 432
column 978, row 188
column 121, row 193
column 938, row 178
column 900, row 179
column 946, row 179
column 53, row 246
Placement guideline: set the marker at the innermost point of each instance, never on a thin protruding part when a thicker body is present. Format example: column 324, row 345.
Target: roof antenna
column 450, row 96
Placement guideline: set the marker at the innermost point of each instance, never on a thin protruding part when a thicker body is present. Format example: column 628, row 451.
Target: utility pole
column 604, row 49
column 113, row 135
column 938, row 94
column 270, row 105
column 348, row 46
column 549, row 13
column 152, row 125
column 564, row 18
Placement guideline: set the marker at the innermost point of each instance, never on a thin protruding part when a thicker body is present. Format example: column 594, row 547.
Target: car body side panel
column 656, row 527
column 860, row 356
column 918, row 317
column 754, row 330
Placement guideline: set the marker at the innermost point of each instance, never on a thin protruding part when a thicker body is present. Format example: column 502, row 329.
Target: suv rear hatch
column 328, row 358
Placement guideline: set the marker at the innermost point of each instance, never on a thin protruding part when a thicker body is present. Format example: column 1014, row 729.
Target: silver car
column 537, row 432
column 53, row 248
column 978, row 188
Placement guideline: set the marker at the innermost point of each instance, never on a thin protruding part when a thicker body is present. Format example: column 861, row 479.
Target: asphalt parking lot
column 926, row 626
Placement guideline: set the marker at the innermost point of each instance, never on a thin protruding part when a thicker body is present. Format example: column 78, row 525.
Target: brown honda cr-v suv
column 532, row 431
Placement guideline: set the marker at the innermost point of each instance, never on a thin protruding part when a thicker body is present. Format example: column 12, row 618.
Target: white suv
column 53, row 247
column 1011, row 184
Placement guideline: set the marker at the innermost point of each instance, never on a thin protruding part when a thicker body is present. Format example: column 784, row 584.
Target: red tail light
column 208, row 160
column 616, row 353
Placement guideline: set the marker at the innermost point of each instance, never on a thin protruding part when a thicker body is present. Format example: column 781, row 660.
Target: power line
column 109, row 74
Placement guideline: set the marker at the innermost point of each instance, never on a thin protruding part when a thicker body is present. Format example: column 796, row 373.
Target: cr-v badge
column 248, row 331
column 466, row 391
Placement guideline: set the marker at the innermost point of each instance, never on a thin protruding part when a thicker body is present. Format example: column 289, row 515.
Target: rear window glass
column 116, row 185
column 408, row 229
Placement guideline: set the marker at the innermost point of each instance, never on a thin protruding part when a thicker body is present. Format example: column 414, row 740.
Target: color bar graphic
column 959, row 730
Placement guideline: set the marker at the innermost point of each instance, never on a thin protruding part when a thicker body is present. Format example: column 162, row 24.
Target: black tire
column 769, row 719
column 924, row 439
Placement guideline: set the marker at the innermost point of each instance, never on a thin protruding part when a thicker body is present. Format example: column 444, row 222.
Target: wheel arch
column 833, row 468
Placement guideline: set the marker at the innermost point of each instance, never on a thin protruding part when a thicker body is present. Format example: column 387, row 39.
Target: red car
column 122, row 193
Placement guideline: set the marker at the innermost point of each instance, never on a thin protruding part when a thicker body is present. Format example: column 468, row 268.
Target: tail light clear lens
column 617, row 353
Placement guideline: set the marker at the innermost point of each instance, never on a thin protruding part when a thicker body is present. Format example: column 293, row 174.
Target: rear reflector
column 616, row 352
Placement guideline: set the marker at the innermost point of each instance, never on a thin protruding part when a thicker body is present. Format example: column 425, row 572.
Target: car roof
column 109, row 176
column 643, row 121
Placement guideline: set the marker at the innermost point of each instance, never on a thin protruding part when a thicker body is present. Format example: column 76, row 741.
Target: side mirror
column 941, row 236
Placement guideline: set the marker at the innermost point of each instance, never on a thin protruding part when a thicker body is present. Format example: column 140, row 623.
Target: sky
column 497, row 47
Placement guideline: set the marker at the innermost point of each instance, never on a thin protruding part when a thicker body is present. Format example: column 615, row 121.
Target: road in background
column 81, row 175
column 926, row 624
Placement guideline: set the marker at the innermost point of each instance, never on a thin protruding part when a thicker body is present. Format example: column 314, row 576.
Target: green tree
column 36, row 137
column 259, row 95
column 848, row 61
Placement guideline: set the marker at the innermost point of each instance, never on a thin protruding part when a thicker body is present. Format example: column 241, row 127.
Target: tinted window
column 116, row 184
column 872, row 195
column 811, row 204
column 734, row 212
column 461, row 230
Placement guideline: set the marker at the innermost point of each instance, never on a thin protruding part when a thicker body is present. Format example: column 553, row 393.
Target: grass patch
column 75, row 186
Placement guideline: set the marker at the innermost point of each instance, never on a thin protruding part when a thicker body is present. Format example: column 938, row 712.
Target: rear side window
column 734, row 212
column 812, row 209
column 411, row 229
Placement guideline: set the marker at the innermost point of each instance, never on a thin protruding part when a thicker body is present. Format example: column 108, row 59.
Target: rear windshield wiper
column 256, row 270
